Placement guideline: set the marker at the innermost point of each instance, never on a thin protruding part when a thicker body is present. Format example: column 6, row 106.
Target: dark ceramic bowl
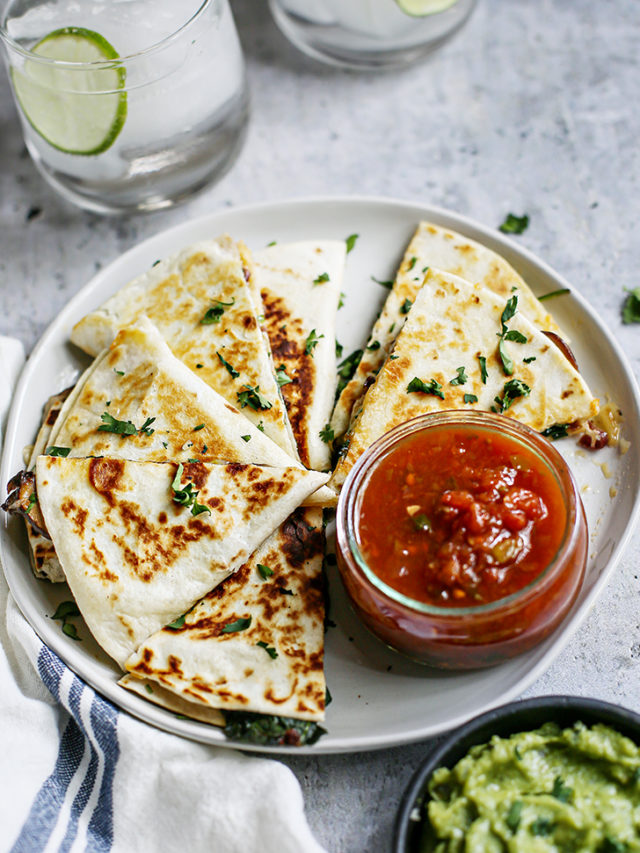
column 504, row 721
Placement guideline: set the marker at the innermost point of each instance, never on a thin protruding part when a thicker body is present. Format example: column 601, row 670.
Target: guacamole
column 572, row 790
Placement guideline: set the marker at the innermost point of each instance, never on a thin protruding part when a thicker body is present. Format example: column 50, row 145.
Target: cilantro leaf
column 270, row 650
column 505, row 358
column 509, row 311
column 281, row 376
column 351, row 242
column 515, row 335
column 326, row 434
column 553, row 293
column 387, row 284
column 542, row 826
column 374, row 345
column 514, row 224
column 460, row 379
column 561, row 791
column 57, row 451
column 177, row 623
column 343, row 296
column 245, row 437
column 512, row 390
column 187, row 495
column 483, row 369
column 264, row 571
column 252, row 397
column 311, row 342
column 347, row 368
column 470, row 398
column 214, row 314
column 238, row 625
column 406, row 306
column 556, row 431
column 231, row 370
column 339, row 349
column 412, row 263
column 66, row 610
column 631, row 307
column 513, row 816
column 70, row 630
column 111, row 424
column 324, row 276
column 431, row 387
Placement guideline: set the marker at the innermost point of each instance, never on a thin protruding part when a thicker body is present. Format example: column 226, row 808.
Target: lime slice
column 81, row 109
column 420, row 8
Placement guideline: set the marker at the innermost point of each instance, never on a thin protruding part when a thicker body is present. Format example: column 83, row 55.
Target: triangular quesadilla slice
column 465, row 347
column 200, row 301
column 153, row 692
column 256, row 642
column 171, row 414
column 141, row 542
column 299, row 285
column 434, row 247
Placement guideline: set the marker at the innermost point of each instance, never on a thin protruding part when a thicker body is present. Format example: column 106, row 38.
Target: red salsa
column 457, row 517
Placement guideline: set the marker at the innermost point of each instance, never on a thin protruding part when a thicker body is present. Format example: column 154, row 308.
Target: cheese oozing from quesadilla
column 200, row 301
column 454, row 352
column 138, row 381
column 256, row 642
column 433, row 247
column 141, row 542
column 299, row 285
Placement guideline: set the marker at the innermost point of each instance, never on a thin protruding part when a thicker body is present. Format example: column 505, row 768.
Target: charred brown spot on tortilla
column 248, row 672
column 105, row 476
column 280, row 700
column 162, row 518
column 299, row 543
column 77, row 515
column 197, row 473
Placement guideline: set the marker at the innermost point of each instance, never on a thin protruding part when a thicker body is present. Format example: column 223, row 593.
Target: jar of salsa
column 461, row 538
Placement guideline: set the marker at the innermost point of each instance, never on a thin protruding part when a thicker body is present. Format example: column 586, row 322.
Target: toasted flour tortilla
column 451, row 324
column 299, row 285
column 135, row 559
column 153, row 692
column 210, row 668
column 176, row 295
column 138, row 378
column 434, row 247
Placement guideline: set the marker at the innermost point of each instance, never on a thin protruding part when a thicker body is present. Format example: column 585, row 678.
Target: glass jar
column 465, row 637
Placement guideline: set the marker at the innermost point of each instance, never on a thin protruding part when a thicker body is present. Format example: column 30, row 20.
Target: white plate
column 379, row 699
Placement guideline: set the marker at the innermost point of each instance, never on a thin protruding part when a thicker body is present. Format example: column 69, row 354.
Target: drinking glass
column 369, row 34
column 127, row 105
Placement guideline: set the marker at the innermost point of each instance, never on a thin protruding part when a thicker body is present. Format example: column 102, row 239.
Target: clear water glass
column 159, row 114
column 369, row 34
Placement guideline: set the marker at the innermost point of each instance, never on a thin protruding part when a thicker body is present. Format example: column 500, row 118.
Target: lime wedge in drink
column 75, row 96
column 419, row 8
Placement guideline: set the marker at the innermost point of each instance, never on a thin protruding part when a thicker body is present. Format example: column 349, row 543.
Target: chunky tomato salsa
column 460, row 516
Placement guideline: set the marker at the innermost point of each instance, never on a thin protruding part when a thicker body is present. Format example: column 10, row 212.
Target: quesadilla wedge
column 256, row 642
column 201, row 303
column 299, row 285
column 434, row 247
column 153, row 692
column 464, row 346
column 171, row 413
column 141, row 542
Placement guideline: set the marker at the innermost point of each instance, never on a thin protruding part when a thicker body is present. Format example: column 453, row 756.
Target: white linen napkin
column 77, row 774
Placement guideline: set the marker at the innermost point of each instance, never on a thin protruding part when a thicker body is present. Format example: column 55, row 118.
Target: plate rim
column 200, row 732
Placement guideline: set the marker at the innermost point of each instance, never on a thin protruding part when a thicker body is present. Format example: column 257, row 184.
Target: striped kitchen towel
column 77, row 774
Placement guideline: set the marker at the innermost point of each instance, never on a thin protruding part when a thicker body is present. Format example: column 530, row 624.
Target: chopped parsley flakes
column 351, row 242
column 231, row 370
column 430, row 387
column 57, row 451
column 281, row 376
column 111, row 424
column 253, row 398
column 514, row 224
column 238, row 625
column 470, row 398
column 264, row 571
column 187, row 495
column 270, row 650
column 387, row 284
column 324, row 276
column 214, row 314
column 326, row 434
column 406, row 306
column 631, row 307
column 460, row 379
column 311, row 342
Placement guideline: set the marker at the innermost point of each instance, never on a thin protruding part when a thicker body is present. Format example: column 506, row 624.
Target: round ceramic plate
column 379, row 699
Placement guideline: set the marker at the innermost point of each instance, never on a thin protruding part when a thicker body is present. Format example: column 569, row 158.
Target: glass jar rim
column 12, row 44
column 490, row 422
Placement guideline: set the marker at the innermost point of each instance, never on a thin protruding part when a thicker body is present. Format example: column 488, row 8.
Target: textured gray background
column 532, row 107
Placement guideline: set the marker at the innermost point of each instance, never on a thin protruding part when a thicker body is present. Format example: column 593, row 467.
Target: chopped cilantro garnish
column 272, row 243
column 311, row 342
column 470, row 398
column 119, row 372
column 513, row 389
column 343, row 296
column 198, row 428
column 177, row 623
column 373, row 345
column 542, row 826
column 53, row 450
column 412, row 263
column 281, row 376
column 509, row 335
column 148, row 688
column 387, row 284
column 514, row 224
column 631, row 307
column 187, row 495
column 406, row 306
column 238, row 625
column 351, row 241
column 347, row 368
column 285, row 591
column 560, row 791
column 326, row 434
column 33, row 500
column 111, row 424
column 270, row 650
column 529, row 359
column 339, row 349
column 556, row 431
column 430, row 387
column 252, row 397
column 214, row 314
column 483, row 369
column 421, row 522
column 199, row 366
column 324, row 276
column 231, row 370
column 460, row 379
column 70, row 630
column 261, row 426
column 66, row 610
column 264, row 571
column 245, row 437
column 560, row 292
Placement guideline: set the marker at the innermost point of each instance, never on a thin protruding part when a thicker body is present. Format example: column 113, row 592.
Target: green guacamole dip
column 570, row 790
